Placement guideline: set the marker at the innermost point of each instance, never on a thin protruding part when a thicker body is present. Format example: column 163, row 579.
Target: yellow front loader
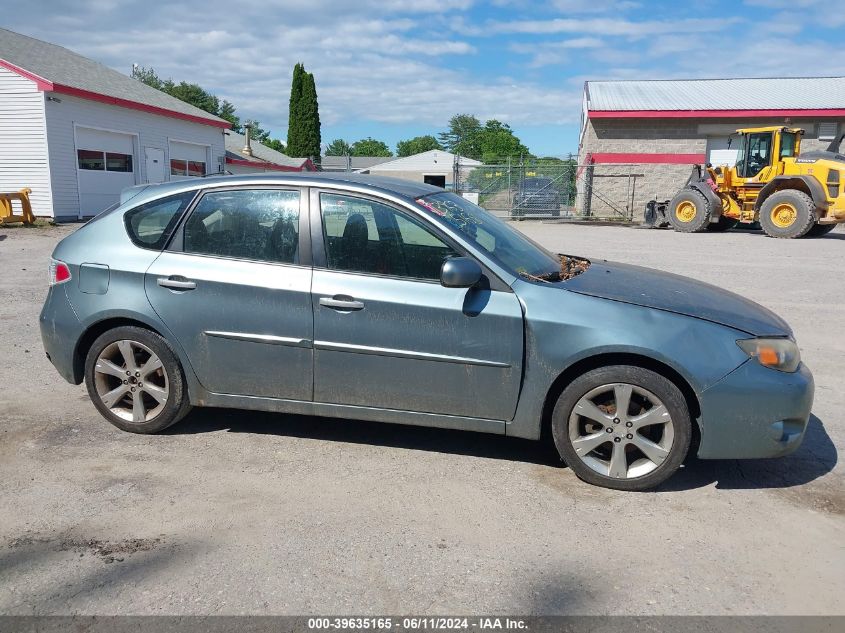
column 789, row 193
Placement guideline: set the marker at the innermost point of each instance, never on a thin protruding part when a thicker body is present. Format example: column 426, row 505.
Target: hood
column 673, row 293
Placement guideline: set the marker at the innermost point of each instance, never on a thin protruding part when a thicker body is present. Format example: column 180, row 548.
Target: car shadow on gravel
column 815, row 458
column 418, row 438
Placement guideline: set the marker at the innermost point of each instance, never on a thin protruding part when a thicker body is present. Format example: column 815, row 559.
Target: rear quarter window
column 151, row 225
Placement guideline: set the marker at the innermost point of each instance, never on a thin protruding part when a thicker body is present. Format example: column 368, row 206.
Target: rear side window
column 151, row 225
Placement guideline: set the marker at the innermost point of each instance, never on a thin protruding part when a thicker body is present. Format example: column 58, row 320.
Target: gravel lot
column 237, row 512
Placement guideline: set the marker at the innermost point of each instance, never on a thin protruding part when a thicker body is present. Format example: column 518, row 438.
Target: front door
column 388, row 335
column 154, row 162
column 235, row 295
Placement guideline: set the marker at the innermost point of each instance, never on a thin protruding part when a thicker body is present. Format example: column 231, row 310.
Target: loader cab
column 755, row 153
column 759, row 147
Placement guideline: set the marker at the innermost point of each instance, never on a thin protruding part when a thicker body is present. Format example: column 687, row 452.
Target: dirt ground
column 236, row 512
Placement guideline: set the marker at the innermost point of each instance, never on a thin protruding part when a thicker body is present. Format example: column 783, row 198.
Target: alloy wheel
column 130, row 381
column 621, row 431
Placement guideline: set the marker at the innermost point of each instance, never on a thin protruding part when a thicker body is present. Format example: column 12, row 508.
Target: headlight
column 777, row 353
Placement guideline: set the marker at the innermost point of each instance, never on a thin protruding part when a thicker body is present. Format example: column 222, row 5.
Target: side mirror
column 460, row 272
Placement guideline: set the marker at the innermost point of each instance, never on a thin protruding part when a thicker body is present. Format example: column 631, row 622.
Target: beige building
column 434, row 167
column 639, row 139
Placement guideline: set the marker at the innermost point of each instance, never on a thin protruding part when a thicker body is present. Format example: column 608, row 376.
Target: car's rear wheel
column 622, row 427
column 135, row 380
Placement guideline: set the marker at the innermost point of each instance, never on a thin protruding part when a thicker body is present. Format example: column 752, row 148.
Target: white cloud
column 388, row 62
column 607, row 26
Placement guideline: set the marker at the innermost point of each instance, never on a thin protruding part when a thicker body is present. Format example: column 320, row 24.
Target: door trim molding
column 401, row 353
column 260, row 338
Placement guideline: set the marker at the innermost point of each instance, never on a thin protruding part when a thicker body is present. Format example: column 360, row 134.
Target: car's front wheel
column 135, row 380
column 622, row 427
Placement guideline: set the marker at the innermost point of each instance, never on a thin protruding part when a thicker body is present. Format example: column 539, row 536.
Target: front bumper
column 755, row 412
column 60, row 332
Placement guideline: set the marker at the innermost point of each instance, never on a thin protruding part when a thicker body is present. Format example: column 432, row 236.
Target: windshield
column 505, row 245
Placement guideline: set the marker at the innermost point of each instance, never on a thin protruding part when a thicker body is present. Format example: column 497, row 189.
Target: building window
column 178, row 167
column 827, row 131
column 118, row 162
column 95, row 160
column 186, row 167
column 89, row 159
column 196, row 168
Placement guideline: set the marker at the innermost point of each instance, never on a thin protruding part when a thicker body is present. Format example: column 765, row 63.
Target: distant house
column 350, row 163
column 434, row 167
column 77, row 132
column 253, row 157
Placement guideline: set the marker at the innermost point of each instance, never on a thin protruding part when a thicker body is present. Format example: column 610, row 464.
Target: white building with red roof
column 77, row 132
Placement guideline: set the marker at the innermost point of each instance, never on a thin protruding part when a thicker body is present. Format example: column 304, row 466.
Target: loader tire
column 722, row 225
column 787, row 214
column 689, row 211
column 818, row 230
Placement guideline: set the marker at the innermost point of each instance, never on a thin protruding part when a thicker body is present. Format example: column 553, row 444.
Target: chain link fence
column 550, row 188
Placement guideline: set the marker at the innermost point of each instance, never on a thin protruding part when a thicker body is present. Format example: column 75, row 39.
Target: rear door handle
column 341, row 304
column 176, row 282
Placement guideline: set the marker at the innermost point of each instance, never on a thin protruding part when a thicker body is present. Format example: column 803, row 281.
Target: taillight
column 59, row 272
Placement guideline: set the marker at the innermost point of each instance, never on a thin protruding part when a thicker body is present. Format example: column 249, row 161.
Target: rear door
column 235, row 291
column 388, row 334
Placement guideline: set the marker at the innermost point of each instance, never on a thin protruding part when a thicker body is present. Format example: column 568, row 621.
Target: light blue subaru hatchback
column 380, row 299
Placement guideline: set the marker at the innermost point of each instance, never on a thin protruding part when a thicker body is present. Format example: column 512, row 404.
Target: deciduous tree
column 370, row 147
column 417, row 145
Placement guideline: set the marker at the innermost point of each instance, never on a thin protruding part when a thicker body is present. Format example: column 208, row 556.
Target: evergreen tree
column 310, row 119
column 295, row 122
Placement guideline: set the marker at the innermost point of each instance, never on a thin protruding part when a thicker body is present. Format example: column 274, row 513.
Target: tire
column 689, row 211
column 724, row 224
column 818, row 230
column 787, row 214
column 642, row 472
column 126, row 401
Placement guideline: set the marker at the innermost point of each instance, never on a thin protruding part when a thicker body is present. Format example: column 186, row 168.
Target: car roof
column 396, row 186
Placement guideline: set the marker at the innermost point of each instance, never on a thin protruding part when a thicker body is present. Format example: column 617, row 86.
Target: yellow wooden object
column 7, row 213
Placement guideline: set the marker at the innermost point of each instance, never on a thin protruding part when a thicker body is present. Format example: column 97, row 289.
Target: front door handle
column 341, row 304
column 176, row 282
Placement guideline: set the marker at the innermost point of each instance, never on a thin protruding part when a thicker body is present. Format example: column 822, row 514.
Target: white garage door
column 105, row 163
column 187, row 160
column 718, row 152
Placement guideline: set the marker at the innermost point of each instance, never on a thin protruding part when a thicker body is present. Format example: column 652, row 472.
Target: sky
column 395, row 69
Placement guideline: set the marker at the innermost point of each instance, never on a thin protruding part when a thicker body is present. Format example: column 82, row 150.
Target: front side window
column 151, row 225
column 754, row 154
column 369, row 237
column 261, row 225
column 508, row 247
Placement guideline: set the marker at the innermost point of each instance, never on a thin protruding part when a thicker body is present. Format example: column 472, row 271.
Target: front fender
column 794, row 182
column 564, row 328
